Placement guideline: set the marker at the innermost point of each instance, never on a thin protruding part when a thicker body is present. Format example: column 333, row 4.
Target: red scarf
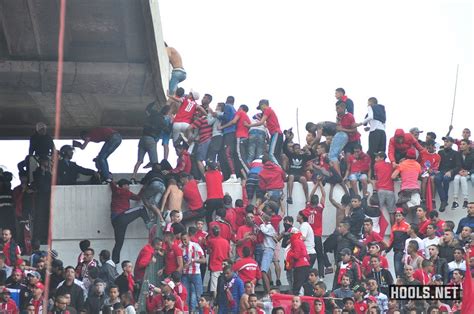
column 131, row 283
column 343, row 271
column 344, row 98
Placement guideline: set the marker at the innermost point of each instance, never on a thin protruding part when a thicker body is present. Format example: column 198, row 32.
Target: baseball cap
column 170, row 297
column 262, row 102
column 448, row 138
column 345, row 251
column 18, row 271
column 399, row 210
column 431, row 134
column 411, row 153
column 194, row 94
column 40, row 126
column 358, row 288
column 169, row 282
column 34, row 274
column 415, row 130
column 39, row 285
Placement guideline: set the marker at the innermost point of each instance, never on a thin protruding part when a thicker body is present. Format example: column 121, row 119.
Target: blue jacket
column 466, row 221
column 229, row 113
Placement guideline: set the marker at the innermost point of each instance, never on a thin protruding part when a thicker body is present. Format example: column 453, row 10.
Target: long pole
column 298, row 125
column 454, row 98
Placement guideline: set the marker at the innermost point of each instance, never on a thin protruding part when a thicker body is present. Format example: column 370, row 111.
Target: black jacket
column 41, row 145
column 155, row 122
column 108, row 273
column 77, row 295
column 467, row 161
column 356, row 221
column 348, row 241
column 95, row 303
column 450, row 161
column 440, row 266
column 384, row 279
column 68, row 172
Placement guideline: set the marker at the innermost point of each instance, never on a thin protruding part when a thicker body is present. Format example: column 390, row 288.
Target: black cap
column 57, row 263
column 448, row 138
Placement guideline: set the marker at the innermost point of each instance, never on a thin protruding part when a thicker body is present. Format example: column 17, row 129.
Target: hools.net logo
column 403, row 292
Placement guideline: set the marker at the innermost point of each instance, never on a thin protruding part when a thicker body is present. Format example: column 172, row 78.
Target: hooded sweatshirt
column 297, row 255
column 408, row 142
column 271, row 177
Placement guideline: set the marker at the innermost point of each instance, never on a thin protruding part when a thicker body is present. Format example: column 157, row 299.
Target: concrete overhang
column 114, row 65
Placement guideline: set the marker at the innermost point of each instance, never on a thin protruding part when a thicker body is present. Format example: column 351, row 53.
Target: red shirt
column 383, row 173
column 247, row 269
column 361, row 164
column 171, row 259
column 347, row 121
column 239, row 216
column 200, row 238
column 214, row 180
column 205, row 130
column 184, row 163
column 422, row 227
column 273, row 125
column 241, row 232
column 186, row 111
column 428, row 158
column 192, row 196
column 315, row 218
column 225, row 230
column 241, row 130
column 422, row 276
column 219, row 249
column 231, row 216
column 121, row 199
column 6, row 251
column 143, row 259
column 361, row 307
column 180, row 290
column 98, row 135
column 275, row 222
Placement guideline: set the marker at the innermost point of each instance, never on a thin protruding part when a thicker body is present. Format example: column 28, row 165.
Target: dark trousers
column 41, row 218
column 229, row 150
column 189, row 214
column 120, row 225
column 215, row 148
column 442, row 185
column 322, row 257
column 300, row 275
column 377, row 143
column 211, row 206
column 241, row 146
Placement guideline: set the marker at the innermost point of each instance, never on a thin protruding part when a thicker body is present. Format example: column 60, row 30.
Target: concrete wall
column 82, row 212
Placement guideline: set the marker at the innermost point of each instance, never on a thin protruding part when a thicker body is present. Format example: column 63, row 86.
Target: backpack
column 379, row 113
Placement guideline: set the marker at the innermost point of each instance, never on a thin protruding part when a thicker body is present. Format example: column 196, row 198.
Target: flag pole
column 454, row 98
column 298, row 125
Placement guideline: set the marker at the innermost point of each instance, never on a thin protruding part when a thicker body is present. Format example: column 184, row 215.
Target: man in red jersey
column 185, row 114
column 111, row 138
column 193, row 199
column 247, row 267
column 276, row 135
column 219, row 250
column 384, row 185
column 271, row 179
column 199, row 236
column 358, row 167
column 173, row 254
column 246, row 238
column 224, row 226
column 242, row 122
column 314, row 211
column 215, row 193
column 373, row 250
column 399, row 145
column 184, row 160
column 429, row 166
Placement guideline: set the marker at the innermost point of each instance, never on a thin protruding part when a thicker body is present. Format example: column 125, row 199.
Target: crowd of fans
column 239, row 243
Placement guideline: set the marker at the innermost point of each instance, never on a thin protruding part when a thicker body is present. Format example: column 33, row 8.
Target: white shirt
column 427, row 242
column 308, row 236
column 269, row 232
column 453, row 265
column 374, row 124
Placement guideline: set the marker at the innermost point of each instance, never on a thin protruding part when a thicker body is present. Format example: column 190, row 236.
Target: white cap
column 194, row 94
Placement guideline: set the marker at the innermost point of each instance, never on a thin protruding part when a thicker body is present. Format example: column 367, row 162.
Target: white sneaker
column 233, row 179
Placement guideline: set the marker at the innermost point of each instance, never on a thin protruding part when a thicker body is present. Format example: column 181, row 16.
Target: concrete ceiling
column 109, row 76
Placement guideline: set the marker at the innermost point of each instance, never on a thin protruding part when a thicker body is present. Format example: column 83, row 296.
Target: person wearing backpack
column 375, row 123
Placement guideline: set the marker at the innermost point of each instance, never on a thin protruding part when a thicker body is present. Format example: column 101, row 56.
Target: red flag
column 467, row 306
column 429, row 196
column 284, row 300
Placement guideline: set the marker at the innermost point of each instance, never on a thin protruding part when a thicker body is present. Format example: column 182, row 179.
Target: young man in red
column 399, row 145
column 423, row 221
column 215, row 193
column 247, row 267
column 358, row 167
column 122, row 214
column 246, row 237
column 144, row 258
column 199, row 236
column 271, row 179
column 242, row 122
column 373, row 250
column 219, row 251
column 193, row 199
column 185, row 114
column 314, row 212
column 224, row 226
column 297, row 260
column 270, row 119
column 11, row 249
column 429, row 166
column 369, row 235
column 7, row 304
column 384, row 185
column 184, row 163
column 173, row 255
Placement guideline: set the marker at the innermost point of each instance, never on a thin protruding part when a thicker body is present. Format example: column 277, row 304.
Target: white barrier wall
column 83, row 212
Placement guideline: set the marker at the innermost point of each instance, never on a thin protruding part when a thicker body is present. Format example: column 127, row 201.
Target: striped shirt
column 205, row 129
column 192, row 251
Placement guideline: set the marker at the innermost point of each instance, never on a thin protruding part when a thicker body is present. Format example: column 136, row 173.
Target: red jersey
column 361, row 307
column 200, row 238
column 219, row 249
column 315, row 218
column 171, row 260
column 225, row 230
column 6, row 251
column 422, row 227
column 191, row 195
column 241, row 130
column 361, row 164
column 121, row 199
column 383, row 173
column 205, row 129
column 98, row 135
column 372, row 237
column 231, row 216
column 214, row 180
column 347, row 121
column 186, row 111
column 429, row 160
column 273, row 125
column 241, row 233
column 422, row 276
column 192, row 251
column 184, row 163
column 180, row 290
column 239, row 216
column 247, row 269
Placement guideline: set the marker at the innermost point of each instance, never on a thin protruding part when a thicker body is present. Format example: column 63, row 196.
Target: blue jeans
column 109, row 147
column 398, row 262
column 274, row 151
column 337, row 145
column 153, row 192
column 442, row 185
column 193, row 284
column 256, row 145
column 177, row 76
